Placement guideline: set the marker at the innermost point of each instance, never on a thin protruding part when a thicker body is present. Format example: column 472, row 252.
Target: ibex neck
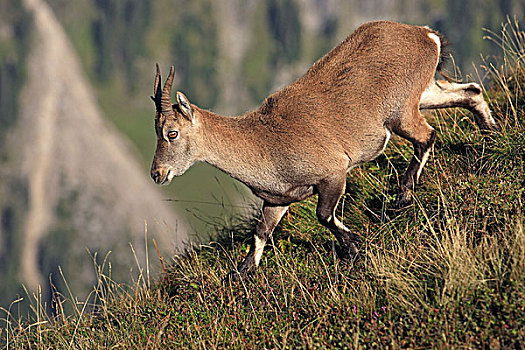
column 229, row 143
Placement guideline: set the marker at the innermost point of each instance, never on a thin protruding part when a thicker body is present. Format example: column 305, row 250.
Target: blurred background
column 76, row 121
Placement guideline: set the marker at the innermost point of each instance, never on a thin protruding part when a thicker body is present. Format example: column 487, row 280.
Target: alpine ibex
column 307, row 136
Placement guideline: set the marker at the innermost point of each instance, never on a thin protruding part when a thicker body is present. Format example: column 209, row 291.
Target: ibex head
column 176, row 127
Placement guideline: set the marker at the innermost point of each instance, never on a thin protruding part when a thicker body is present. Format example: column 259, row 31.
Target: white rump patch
column 259, row 247
column 435, row 38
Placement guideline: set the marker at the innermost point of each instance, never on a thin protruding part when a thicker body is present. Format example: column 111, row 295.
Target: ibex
column 305, row 138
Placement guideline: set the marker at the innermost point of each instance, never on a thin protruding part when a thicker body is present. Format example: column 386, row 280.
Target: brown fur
column 304, row 138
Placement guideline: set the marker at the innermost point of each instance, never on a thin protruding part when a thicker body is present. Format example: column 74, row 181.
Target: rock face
column 83, row 188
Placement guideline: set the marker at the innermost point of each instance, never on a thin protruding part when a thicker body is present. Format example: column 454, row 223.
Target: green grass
column 446, row 272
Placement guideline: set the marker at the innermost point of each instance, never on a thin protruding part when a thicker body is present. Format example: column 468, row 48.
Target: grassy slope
column 446, row 271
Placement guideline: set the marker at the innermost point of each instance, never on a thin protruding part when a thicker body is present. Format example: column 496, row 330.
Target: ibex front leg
column 416, row 130
column 271, row 215
column 329, row 193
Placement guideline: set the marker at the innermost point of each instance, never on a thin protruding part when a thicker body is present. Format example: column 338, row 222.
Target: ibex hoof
column 232, row 277
column 244, row 271
column 348, row 252
column 404, row 199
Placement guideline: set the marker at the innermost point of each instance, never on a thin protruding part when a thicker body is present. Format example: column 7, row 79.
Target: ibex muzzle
column 307, row 136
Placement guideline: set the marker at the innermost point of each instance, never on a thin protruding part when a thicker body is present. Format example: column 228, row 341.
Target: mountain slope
column 83, row 186
column 446, row 272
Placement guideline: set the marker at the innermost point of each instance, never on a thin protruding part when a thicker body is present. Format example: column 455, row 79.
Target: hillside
column 445, row 272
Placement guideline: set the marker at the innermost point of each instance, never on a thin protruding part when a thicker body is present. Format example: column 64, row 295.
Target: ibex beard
column 306, row 137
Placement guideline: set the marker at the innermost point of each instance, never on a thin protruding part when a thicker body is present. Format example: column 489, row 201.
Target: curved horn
column 157, row 91
column 166, row 92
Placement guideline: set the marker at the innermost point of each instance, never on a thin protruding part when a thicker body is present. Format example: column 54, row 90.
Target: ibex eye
column 173, row 134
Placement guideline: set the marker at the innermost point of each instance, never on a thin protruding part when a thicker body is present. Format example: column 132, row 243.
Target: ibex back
column 307, row 136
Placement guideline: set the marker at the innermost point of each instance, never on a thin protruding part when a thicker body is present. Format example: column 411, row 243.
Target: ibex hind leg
column 422, row 136
column 443, row 94
column 329, row 194
column 271, row 215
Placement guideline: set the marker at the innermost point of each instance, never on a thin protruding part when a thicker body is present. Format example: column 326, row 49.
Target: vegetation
column 118, row 33
column 194, row 48
column 14, row 43
column 445, row 272
column 278, row 43
column 15, row 39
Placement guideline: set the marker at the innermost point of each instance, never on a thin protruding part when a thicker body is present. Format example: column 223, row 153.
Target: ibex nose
column 155, row 175
column 161, row 175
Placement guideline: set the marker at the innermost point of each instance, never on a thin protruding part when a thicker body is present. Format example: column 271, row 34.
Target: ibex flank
column 305, row 138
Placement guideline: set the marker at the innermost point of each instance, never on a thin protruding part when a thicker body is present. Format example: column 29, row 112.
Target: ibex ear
column 185, row 106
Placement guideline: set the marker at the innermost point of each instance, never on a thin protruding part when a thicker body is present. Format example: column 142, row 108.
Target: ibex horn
column 157, row 92
column 166, row 92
